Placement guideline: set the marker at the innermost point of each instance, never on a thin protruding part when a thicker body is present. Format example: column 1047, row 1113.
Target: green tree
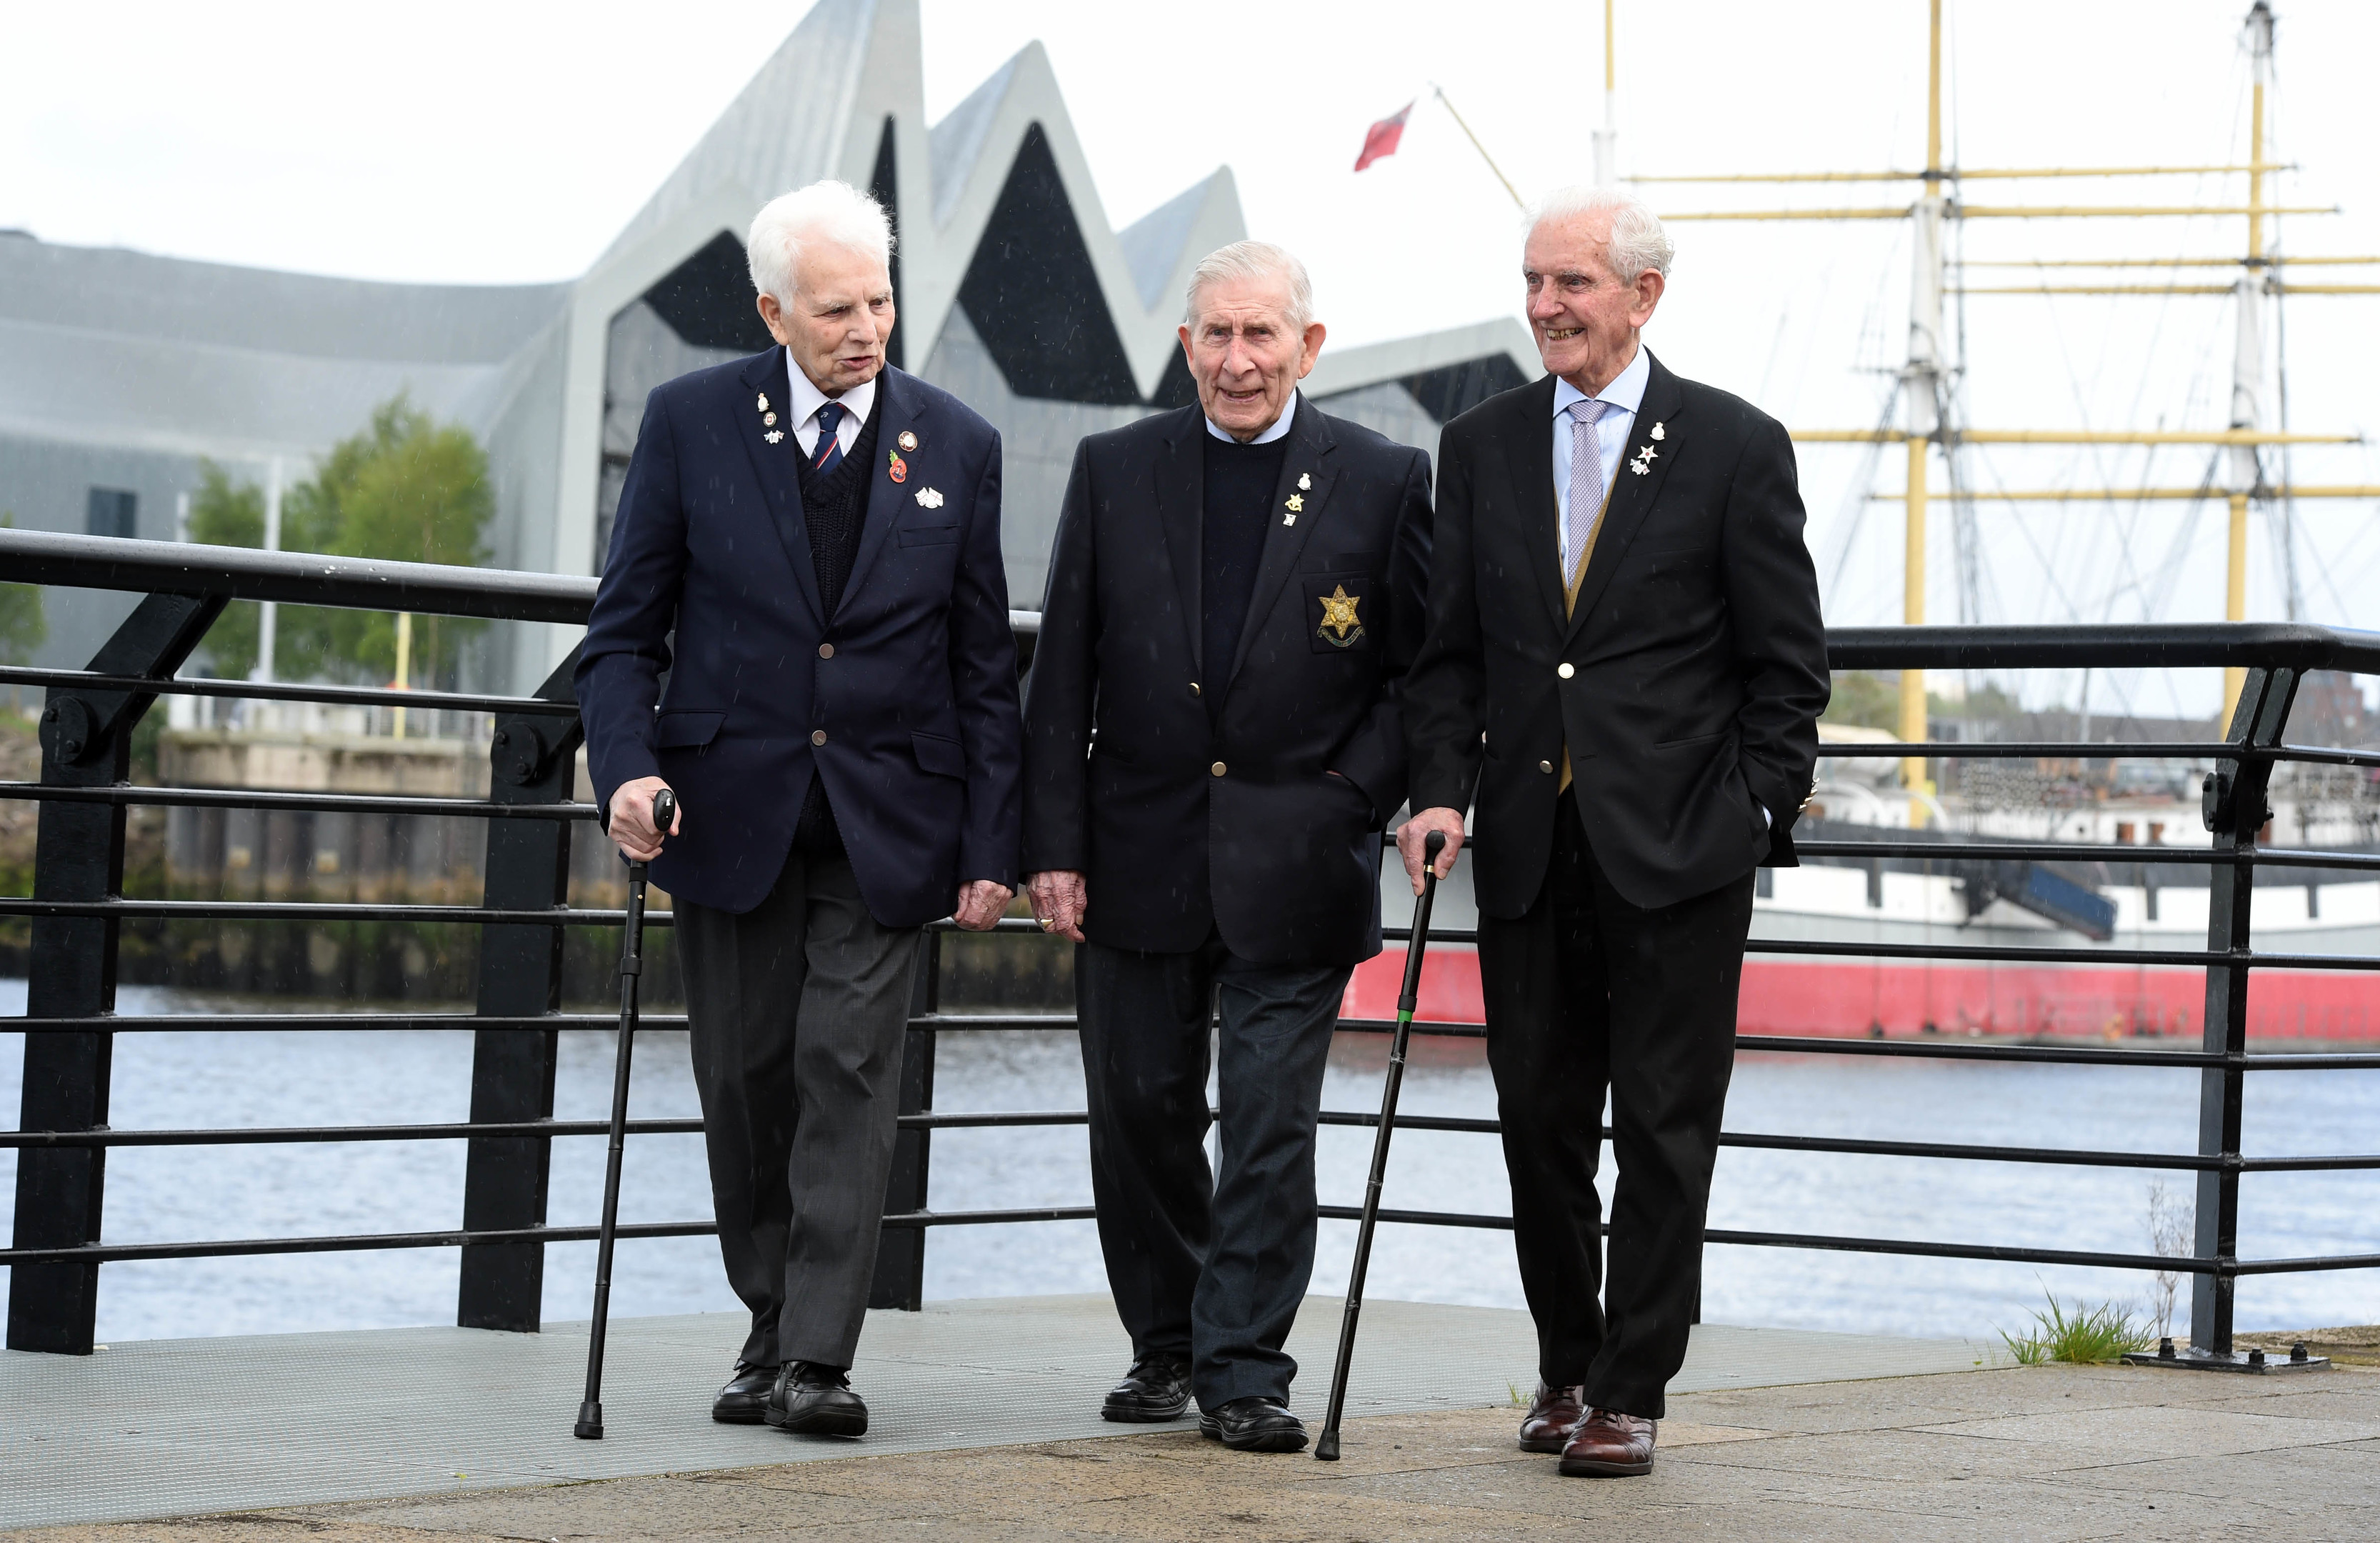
column 405, row 488
column 227, row 513
column 410, row 489
column 1866, row 699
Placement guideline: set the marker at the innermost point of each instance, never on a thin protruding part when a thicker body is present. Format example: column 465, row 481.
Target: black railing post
column 78, row 855
column 901, row 1251
column 2235, row 811
column 535, row 760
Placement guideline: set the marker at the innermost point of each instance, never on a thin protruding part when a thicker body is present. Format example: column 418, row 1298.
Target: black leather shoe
column 746, row 1395
column 1254, row 1424
column 812, row 1399
column 1155, row 1390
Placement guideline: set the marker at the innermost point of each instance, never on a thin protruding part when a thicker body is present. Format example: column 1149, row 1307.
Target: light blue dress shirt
column 1280, row 425
column 1622, row 397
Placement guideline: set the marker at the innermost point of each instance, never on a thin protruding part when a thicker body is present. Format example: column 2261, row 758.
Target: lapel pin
column 1305, row 480
column 1296, row 505
column 900, row 468
column 764, row 402
column 1658, row 433
column 769, row 419
column 773, row 435
column 1644, row 461
column 908, row 440
column 930, row 498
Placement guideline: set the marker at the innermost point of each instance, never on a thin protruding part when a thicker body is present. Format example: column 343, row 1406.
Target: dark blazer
column 904, row 700
column 1181, row 827
column 1697, row 652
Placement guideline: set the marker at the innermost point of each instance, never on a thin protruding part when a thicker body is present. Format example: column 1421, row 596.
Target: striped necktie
column 827, row 454
column 1586, row 487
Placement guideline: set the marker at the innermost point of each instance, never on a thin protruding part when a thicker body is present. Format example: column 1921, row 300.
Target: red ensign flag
column 1382, row 137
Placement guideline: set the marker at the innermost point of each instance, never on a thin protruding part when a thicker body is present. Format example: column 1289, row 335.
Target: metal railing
column 77, row 915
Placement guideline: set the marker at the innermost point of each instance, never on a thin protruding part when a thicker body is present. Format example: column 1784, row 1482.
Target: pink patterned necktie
column 1585, row 485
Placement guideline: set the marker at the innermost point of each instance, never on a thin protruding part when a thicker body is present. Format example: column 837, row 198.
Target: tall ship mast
column 2248, row 454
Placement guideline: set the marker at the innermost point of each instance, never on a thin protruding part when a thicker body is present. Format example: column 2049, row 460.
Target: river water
column 200, row 1078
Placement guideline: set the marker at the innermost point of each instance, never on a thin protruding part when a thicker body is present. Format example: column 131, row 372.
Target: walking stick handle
column 1326, row 1446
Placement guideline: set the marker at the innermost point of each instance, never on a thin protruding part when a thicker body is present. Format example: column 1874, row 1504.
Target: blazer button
column 826, row 650
column 1217, row 769
column 817, row 736
column 1194, row 689
column 1565, row 671
column 1547, row 765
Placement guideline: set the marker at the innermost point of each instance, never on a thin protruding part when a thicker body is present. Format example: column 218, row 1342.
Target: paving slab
column 182, row 1426
column 1453, row 1474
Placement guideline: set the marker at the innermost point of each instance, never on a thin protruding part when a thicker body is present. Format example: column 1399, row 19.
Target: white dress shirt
column 807, row 399
column 1280, row 425
column 1621, row 398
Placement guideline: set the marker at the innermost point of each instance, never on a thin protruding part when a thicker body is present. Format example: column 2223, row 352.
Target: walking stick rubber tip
column 590, row 1422
column 1326, row 1449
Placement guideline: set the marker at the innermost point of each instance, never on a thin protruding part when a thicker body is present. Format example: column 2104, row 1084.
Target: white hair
column 1253, row 261
column 1638, row 242
column 828, row 213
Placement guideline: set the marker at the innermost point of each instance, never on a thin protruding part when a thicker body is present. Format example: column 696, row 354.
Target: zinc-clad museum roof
column 120, row 370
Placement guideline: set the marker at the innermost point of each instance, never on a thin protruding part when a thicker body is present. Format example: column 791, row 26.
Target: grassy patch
column 2084, row 1336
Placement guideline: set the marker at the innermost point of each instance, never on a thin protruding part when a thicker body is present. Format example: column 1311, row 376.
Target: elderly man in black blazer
column 1624, row 666
column 1213, row 741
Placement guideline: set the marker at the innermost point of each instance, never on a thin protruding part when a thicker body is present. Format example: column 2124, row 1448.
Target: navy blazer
column 904, row 699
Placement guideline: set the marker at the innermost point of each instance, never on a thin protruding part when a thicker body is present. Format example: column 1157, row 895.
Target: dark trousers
column 1586, row 992
column 796, row 1011
column 1205, row 1267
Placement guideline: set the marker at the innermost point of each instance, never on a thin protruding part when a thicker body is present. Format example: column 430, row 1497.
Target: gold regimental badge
column 909, row 441
column 1340, row 625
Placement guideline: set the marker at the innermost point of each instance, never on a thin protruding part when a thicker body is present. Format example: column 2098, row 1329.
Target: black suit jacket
column 1180, row 826
column 912, row 718
column 1698, row 657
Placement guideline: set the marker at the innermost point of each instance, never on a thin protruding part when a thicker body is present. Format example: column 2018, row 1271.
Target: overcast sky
column 491, row 143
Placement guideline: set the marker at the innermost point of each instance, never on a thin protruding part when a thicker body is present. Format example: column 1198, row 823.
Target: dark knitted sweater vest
column 834, row 506
column 1240, row 479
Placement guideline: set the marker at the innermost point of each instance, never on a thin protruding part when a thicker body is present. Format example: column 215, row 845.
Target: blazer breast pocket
column 685, row 729
column 1337, row 611
column 927, row 535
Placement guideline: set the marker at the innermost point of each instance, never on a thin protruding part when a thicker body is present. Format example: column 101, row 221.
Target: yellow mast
column 2248, row 367
column 1922, row 385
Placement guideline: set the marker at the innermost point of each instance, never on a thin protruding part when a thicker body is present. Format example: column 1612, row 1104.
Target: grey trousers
column 796, row 1011
column 1211, row 1269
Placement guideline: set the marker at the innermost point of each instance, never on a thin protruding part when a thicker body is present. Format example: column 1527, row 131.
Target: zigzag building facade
column 1013, row 292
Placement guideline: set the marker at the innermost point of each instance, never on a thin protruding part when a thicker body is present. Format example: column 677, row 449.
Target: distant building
column 119, row 369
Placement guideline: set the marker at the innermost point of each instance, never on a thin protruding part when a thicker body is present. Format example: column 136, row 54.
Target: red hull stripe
column 1854, row 997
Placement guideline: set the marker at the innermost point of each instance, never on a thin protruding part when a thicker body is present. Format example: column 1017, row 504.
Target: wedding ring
column 1049, row 923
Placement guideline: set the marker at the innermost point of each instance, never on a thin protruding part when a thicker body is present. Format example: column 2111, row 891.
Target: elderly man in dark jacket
column 808, row 544
column 1214, row 742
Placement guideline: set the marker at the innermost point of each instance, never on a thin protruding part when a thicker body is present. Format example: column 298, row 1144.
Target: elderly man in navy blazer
column 807, row 545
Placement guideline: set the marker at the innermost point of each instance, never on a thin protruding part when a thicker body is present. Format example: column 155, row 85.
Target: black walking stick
column 1326, row 1447
column 632, row 964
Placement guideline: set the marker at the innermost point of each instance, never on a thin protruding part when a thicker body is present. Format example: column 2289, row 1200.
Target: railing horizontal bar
column 302, row 1135
column 989, row 1217
column 1969, row 1050
column 993, row 1119
column 2075, row 749
column 324, row 803
column 292, row 577
column 946, row 1021
column 312, row 910
column 279, row 691
column 1389, row 1025
column 106, row 1252
column 2166, row 644
column 351, row 1023
column 2078, row 852
column 2194, row 958
column 117, row 1252
column 2292, row 1266
column 2340, row 1163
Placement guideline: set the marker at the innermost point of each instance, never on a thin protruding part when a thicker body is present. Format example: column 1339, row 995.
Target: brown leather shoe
column 1553, row 1415
column 1609, row 1444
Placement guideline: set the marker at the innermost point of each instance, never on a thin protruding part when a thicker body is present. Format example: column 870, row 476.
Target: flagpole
column 1440, row 93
